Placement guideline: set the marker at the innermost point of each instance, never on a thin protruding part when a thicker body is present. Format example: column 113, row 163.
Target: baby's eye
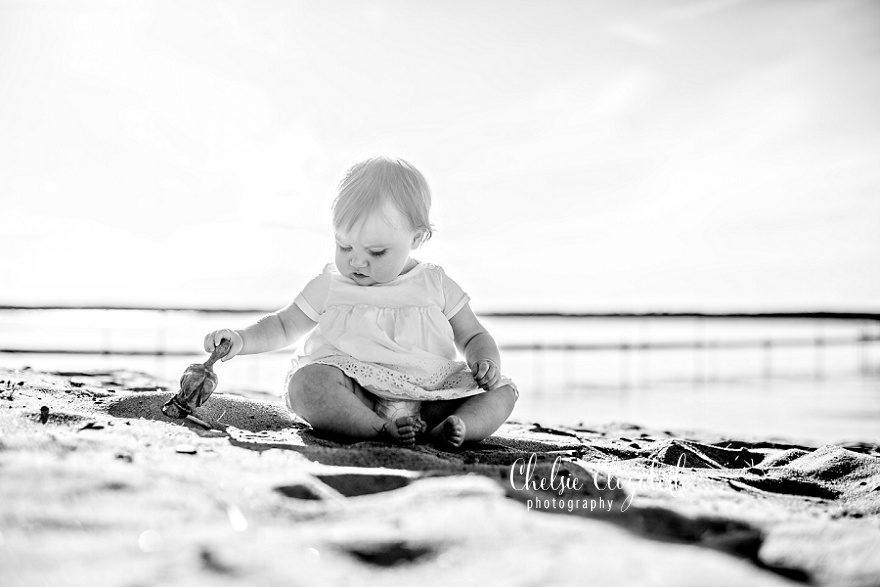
column 378, row 253
column 343, row 249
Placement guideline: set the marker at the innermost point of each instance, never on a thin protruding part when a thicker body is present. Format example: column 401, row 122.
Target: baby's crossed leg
column 452, row 422
column 404, row 423
column 333, row 402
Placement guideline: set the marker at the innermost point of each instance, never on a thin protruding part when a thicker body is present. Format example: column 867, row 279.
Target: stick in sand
column 201, row 423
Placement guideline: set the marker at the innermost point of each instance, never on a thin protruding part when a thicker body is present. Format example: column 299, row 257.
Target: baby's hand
column 213, row 339
column 487, row 374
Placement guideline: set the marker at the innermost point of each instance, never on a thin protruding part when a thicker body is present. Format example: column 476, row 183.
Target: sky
column 583, row 156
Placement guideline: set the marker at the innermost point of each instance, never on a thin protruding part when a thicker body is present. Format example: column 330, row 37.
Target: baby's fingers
column 486, row 375
column 236, row 343
column 490, row 379
column 213, row 340
column 219, row 335
column 480, row 369
column 208, row 343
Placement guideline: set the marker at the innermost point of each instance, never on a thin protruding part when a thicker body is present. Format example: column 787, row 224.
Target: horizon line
column 814, row 314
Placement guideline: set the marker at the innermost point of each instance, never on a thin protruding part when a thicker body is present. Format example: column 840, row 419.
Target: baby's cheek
column 387, row 272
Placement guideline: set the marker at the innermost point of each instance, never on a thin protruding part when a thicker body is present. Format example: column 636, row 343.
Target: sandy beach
column 659, row 218
column 98, row 487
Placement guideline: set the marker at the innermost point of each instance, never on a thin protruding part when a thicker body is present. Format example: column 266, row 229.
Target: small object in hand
column 186, row 449
column 44, row 414
column 197, row 384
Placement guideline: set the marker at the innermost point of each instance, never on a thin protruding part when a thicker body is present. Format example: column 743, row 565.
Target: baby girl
column 380, row 359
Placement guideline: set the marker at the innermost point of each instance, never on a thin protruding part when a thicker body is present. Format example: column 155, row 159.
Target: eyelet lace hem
column 453, row 380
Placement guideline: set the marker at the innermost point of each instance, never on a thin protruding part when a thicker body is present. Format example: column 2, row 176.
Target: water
column 814, row 393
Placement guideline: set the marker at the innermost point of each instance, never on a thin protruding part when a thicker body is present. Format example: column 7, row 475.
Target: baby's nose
column 358, row 262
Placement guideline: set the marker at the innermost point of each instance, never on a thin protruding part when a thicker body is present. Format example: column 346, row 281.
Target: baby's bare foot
column 402, row 431
column 452, row 431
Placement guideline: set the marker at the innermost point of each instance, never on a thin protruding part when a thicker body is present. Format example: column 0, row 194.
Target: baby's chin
column 363, row 280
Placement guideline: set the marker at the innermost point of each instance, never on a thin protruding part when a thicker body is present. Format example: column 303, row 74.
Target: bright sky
column 637, row 155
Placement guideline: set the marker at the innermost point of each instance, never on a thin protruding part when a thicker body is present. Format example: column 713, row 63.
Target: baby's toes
column 406, row 430
column 453, row 431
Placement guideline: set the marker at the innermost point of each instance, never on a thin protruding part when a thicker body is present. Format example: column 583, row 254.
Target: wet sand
column 101, row 488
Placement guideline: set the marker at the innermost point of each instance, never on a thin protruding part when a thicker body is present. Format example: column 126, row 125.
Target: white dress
column 393, row 338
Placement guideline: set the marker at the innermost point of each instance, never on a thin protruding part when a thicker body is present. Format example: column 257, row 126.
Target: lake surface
column 720, row 375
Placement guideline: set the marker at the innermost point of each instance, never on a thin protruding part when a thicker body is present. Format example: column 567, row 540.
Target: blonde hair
column 370, row 184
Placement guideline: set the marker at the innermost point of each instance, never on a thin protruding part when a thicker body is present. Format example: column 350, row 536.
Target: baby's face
column 376, row 250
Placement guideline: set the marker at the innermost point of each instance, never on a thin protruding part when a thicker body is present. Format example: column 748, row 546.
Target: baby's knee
column 307, row 385
column 508, row 392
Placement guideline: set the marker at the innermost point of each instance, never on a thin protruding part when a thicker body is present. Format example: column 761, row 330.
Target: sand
column 102, row 489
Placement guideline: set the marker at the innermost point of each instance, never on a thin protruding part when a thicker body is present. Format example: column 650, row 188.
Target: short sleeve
column 313, row 297
column 454, row 297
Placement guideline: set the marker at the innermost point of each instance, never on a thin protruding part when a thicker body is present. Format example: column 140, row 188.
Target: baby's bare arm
column 276, row 330
column 271, row 332
column 478, row 347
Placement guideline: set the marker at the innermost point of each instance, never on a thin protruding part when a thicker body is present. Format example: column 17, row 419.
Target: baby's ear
column 419, row 239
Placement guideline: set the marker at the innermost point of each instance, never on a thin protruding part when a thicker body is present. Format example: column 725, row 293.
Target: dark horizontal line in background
column 93, row 352
column 801, row 315
column 752, row 315
column 693, row 344
column 669, row 345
